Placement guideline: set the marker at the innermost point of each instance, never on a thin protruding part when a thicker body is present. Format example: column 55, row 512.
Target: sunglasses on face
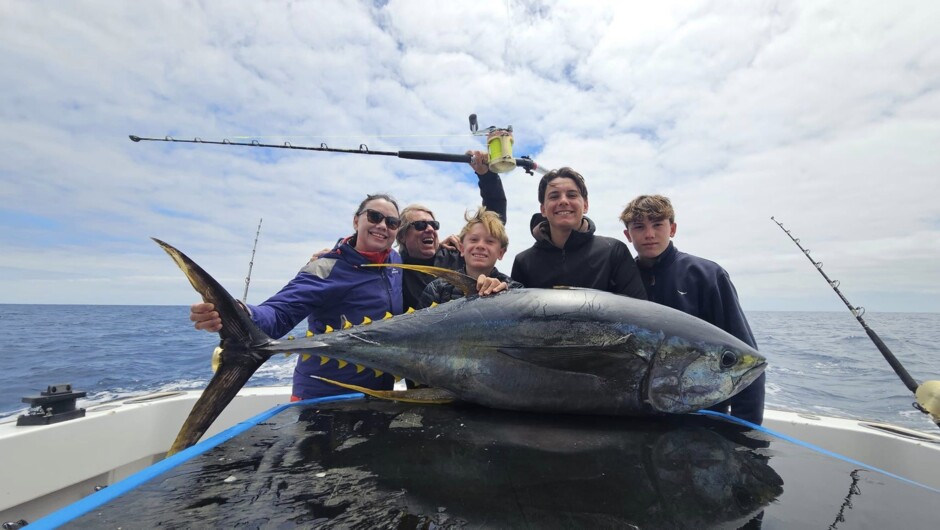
column 375, row 218
column 420, row 226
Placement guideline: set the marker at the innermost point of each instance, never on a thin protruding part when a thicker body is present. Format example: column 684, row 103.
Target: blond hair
column 490, row 221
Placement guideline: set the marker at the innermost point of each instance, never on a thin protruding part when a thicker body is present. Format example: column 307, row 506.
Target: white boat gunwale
column 80, row 456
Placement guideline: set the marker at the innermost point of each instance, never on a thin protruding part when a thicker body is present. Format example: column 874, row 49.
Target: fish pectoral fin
column 466, row 284
column 605, row 360
column 427, row 396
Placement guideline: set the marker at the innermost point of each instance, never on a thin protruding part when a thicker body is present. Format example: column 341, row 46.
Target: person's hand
column 319, row 254
column 487, row 286
column 205, row 317
column 452, row 242
column 479, row 161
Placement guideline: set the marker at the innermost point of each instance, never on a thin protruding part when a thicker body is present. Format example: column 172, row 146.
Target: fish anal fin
column 426, row 396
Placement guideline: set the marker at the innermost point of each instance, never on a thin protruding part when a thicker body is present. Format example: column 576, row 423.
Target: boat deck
column 349, row 463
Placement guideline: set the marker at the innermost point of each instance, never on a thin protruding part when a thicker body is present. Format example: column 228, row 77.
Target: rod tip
column 134, row 138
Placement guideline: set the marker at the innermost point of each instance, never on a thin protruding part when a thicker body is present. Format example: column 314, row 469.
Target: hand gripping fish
column 577, row 351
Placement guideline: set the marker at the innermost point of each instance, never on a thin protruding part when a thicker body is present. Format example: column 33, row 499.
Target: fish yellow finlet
column 387, row 316
column 359, row 368
column 378, row 373
column 366, row 320
column 305, row 357
column 324, row 359
column 342, row 364
column 216, row 358
column 309, row 333
column 290, row 337
column 410, row 310
column 346, row 324
column 433, row 304
column 329, row 328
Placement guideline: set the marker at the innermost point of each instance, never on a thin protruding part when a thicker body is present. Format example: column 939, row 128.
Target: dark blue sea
column 819, row 362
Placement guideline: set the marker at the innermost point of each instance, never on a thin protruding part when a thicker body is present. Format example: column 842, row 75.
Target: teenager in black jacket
column 566, row 251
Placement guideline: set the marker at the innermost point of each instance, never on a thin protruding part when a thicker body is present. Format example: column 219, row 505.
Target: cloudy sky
column 823, row 114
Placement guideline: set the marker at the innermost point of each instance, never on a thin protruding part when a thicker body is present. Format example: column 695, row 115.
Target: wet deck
column 372, row 464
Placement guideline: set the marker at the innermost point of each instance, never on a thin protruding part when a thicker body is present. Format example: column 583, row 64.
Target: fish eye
column 728, row 359
column 742, row 496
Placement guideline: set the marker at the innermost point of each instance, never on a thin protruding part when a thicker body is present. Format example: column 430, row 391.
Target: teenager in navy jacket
column 690, row 284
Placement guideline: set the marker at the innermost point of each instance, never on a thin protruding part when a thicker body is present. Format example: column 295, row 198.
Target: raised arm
column 491, row 185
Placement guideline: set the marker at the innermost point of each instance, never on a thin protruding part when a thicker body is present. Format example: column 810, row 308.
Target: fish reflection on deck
column 377, row 464
column 550, row 350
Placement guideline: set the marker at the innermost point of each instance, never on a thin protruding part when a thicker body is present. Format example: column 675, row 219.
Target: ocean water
column 819, row 362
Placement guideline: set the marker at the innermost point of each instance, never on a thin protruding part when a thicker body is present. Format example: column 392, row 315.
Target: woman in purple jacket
column 330, row 288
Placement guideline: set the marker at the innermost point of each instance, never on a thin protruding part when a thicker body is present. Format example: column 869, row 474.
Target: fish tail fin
column 236, row 324
column 241, row 351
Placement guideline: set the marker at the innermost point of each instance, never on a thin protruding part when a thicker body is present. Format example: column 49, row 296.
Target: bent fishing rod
column 499, row 146
column 928, row 393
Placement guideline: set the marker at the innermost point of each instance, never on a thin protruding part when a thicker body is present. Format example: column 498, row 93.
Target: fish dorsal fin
column 429, row 396
column 607, row 360
column 466, row 284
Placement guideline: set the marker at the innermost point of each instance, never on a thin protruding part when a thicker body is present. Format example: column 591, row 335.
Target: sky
column 821, row 114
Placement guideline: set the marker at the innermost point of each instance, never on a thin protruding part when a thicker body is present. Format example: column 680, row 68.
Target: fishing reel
column 498, row 144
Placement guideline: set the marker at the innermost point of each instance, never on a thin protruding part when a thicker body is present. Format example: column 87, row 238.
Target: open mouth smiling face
column 481, row 250
column 421, row 243
column 372, row 225
column 564, row 206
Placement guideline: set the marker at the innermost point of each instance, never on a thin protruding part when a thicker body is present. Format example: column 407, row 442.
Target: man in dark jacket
column 566, row 251
column 418, row 241
column 690, row 284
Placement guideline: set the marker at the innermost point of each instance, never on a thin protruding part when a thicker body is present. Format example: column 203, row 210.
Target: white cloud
column 824, row 114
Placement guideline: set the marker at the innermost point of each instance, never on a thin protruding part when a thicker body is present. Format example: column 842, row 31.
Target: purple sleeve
column 298, row 300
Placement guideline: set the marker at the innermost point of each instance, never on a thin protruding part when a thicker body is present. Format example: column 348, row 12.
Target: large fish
column 554, row 350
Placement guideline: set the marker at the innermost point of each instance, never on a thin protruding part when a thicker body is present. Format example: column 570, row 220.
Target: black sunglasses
column 421, row 225
column 375, row 218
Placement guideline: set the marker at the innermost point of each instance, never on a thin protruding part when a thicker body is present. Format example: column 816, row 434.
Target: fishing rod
column 499, row 146
column 251, row 262
column 928, row 393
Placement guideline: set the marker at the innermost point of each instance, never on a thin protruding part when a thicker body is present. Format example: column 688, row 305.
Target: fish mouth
column 751, row 374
